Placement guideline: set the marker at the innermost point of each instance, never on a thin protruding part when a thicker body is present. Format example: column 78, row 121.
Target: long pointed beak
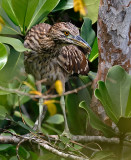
column 78, row 40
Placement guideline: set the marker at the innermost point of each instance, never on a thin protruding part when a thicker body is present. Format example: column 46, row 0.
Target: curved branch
column 41, row 142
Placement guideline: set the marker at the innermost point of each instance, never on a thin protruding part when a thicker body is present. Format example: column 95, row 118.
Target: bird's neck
column 49, row 49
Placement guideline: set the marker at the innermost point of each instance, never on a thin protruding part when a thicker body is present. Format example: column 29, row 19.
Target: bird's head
column 65, row 33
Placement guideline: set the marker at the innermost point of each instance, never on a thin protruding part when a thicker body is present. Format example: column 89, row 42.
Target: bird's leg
column 42, row 109
column 66, row 129
column 40, row 113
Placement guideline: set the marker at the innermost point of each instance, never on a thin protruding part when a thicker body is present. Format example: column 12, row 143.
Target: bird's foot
column 66, row 134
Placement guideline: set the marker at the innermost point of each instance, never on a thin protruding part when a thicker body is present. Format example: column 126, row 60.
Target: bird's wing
column 73, row 60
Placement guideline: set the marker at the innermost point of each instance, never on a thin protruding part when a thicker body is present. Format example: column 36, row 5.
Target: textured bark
column 114, row 42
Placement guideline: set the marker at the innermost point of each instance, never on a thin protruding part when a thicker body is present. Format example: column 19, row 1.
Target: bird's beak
column 78, row 40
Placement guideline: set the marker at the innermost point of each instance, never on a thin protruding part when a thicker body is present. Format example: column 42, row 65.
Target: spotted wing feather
column 73, row 60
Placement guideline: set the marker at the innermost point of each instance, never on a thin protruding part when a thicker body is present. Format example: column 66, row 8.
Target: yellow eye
column 66, row 33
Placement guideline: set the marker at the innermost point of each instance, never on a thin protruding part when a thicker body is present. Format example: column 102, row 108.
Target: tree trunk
column 114, row 43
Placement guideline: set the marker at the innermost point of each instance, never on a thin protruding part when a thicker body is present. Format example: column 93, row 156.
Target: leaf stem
column 120, row 157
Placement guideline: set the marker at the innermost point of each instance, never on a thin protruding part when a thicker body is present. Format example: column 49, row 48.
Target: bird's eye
column 66, row 33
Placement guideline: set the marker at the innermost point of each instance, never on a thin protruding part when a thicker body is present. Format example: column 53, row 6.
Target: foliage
column 112, row 95
column 17, row 17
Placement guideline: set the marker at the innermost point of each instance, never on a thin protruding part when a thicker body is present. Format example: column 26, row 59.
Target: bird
column 57, row 52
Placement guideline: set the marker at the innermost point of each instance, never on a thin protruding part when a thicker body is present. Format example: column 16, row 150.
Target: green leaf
column 28, row 121
column 103, row 155
column 7, row 6
column 64, row 139
column 19, row 123
column 8, row 30
column 31, row 6
column 3, row 111
column 5, row 146
column 92, row 8
column 33, row 155
column 87, row 32
column 43, row 9
column 11, row 77
column 14, row 158
column 96, row 123
column 103, row 95
column 115, row 95
column 15, row 43
column 9, row 27
column 3, row 56
column 63, row 5
column 23, row 153
column 124, row 124
column 49, row 127
column 24, row 126
column 128, row 106
column 24, row 11
column 118, row 83
column 2, row 157
column 94, row 52
column 56, row 119
column 12, row 69
column 76, row 116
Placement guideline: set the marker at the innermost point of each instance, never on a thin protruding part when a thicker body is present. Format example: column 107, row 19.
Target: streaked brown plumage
column 53, row 56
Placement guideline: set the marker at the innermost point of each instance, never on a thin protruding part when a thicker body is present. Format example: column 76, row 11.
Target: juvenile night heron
column 57, row 53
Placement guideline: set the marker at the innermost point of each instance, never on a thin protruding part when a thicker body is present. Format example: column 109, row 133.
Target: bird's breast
column 44, row 68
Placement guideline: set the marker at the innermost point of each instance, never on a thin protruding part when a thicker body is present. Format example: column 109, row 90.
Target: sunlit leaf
column 43, row 9
column 56, row 119
column 3, row 56
column 15, row 43
column 64, row 4
column 92, row 7
column 9, row 27
column 94, row 52
column 6, row 4
column 24, row 11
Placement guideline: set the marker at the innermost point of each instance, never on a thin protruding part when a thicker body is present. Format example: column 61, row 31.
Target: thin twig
column 16, row 91
column 17, row 147
column 59, row 153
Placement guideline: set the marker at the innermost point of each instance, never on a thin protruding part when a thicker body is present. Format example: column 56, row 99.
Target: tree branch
column 96, row 139
column 16, row 91
column 78, row 138
column 46, row 145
